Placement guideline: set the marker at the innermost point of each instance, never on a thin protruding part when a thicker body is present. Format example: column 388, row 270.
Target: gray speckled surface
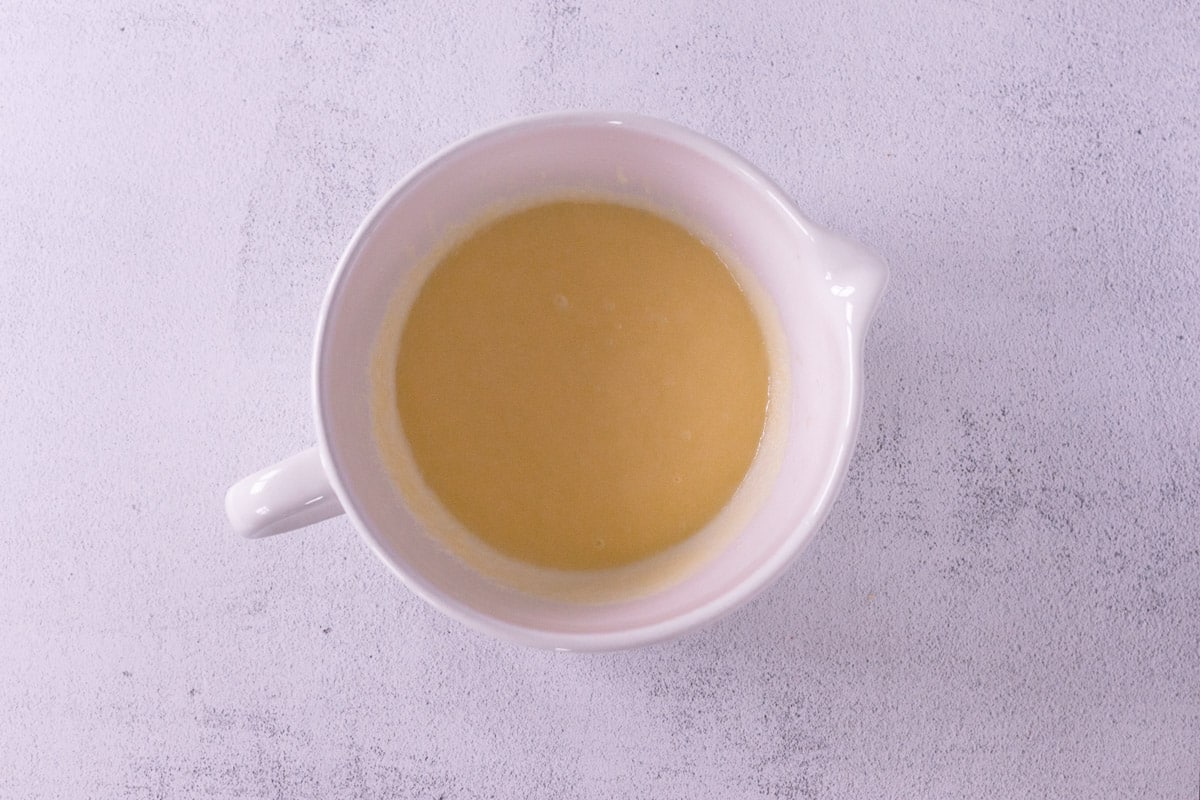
column 1004, row 603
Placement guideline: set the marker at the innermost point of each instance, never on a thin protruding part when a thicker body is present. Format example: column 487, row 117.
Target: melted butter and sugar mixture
column 582, row 384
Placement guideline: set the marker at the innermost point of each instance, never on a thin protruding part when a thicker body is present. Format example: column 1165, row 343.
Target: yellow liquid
column 582, row 384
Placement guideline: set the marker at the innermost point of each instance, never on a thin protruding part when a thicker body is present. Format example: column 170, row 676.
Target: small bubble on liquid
column 561, row 302
column 678, row 479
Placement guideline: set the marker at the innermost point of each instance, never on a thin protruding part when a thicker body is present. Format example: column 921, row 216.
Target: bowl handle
column 288, row 495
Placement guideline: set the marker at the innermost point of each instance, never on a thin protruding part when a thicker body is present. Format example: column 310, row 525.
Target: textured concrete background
column 1005, row 602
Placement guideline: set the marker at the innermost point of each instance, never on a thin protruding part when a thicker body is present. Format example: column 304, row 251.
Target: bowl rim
column 758, row 580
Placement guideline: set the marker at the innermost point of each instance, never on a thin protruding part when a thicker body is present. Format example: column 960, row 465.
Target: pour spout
column 855, row 278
